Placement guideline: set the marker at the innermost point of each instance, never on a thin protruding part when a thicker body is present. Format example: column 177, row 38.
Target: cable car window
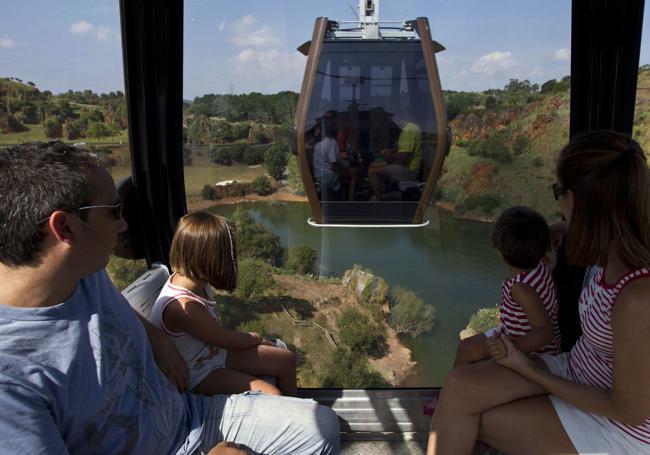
column 504, row 84
column 641, row 130
column 63, row 80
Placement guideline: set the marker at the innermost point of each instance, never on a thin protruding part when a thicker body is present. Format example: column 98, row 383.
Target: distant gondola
column 371, row 126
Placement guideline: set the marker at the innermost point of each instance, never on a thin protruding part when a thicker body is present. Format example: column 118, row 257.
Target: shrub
column 98, row 129
column 350, row 370
column 187, row 156
column 254, row 325
column 262, row 185
column 220, row 155
column 253, row 155
column 487, row 203
column 294, row 179
column 255, row 241
column 520, row 144
column 275, row 160
column 494, row 147
column 360, row 334
column 253, row 278
column 409, row 314
column 538, row 162
column 301, row 259
column 53, row 127
column 209, row 193
column 484, row 319
column 125, row 271
column 236, row 151
column 10, row 124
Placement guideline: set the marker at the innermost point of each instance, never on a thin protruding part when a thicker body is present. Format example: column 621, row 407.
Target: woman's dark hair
column 608, row 176
column 204, row 249
column 35, row 180
column 521, row 236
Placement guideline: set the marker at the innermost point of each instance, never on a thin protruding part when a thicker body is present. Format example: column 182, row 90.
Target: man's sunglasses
column 558, row 190
column 116, row 210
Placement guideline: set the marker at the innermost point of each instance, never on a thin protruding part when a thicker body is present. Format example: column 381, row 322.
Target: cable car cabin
column 370, row 123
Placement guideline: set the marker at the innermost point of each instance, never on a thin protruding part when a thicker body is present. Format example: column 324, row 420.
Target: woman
column 596, row 398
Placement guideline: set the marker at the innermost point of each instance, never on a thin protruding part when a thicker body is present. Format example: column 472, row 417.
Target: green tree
column 254, row 155
column 360, row 334
column 262, row 185
column 301, row 259
column 275, row 160
column 348, row 369
column 484, row 319
column 294, row 179
column 253, row 278
column 220, row 154
column 255, row 241
column 97, row 129
column 520, row 144
column 125, row 271
column 53, row 127
column 409, row 314
column 209, row 193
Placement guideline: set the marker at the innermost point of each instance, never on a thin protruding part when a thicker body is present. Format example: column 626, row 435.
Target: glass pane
column 504, row 76
column 63, row 80
column 641, row 130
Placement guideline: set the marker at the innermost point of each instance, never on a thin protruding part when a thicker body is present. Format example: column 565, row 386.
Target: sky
column 243, row 46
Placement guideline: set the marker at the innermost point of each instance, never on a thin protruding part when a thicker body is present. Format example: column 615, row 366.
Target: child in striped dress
column 528, row 311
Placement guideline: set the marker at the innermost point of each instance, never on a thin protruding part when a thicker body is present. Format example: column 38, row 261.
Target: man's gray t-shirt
column 80, row 377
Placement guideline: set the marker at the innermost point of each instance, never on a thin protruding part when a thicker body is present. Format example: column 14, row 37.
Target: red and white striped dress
column 591, row 360
column 512, row 316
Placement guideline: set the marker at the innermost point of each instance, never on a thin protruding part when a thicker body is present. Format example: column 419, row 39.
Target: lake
column 450, row 264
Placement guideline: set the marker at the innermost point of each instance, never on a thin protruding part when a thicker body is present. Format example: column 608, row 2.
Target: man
column 77, row 370
column 398, row 164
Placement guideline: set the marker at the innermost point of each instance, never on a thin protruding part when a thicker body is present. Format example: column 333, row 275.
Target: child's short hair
column 204, row 249
column 521, row 236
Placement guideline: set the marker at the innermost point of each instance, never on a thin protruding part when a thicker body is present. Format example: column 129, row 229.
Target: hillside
column 505, row 143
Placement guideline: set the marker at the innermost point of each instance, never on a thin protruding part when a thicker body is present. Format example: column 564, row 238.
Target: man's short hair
column 36, row 179
column 521, row 235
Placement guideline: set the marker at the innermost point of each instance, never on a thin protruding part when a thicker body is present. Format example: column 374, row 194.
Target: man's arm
column 27, row 425
column 168, row 359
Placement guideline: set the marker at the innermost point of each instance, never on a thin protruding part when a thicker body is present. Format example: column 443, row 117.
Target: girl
column 595, row 398
column 220, row 361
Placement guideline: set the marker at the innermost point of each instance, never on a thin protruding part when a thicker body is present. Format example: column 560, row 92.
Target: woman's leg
column 528, row 426
column 227, row 381
column 468, row 391
column 266, row 360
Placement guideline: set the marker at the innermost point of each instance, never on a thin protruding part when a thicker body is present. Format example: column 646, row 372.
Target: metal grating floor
column 383, row 447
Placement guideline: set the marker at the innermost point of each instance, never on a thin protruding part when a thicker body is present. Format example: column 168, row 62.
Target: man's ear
column 60, row 226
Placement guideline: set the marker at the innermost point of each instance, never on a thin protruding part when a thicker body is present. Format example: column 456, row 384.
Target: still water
column 450, row 264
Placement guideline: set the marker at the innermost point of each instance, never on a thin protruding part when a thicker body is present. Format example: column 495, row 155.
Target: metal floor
column 383, row 447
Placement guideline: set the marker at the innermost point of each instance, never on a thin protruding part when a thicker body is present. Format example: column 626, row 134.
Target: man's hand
column 168, row 359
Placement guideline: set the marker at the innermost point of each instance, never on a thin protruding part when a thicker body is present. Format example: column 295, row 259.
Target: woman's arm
column 541, row 332
column 628, row 400
column 192, row 317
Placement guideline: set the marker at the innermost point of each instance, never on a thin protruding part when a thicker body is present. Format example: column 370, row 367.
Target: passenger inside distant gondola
column 325, row 161
column 398, row 164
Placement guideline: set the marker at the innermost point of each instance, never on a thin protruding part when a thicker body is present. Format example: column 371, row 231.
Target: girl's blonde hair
column 608, row 175
column 204, row 249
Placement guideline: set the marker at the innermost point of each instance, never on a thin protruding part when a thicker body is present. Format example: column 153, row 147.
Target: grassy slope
column 525, row 180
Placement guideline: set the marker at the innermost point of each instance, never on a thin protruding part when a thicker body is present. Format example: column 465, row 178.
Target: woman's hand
column 506, row 354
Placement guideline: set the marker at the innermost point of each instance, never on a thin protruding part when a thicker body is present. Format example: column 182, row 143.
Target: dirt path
column 283, row 195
